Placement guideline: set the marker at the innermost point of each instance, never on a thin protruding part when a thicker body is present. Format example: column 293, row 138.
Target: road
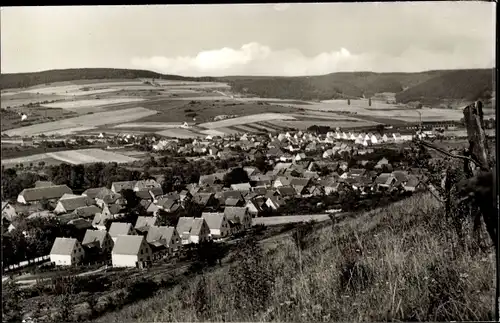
column 275, row 220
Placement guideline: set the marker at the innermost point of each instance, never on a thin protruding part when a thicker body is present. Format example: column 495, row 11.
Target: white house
column 30, row 195
column 98, row 239
column 128, row 250
column 193, row 230
column 66, row 252
column 239, row 214
column 217, row 223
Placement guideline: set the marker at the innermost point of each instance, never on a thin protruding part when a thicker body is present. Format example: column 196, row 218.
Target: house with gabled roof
column 385, row 181
column 97, row 192
column 217, row 223
column 68, row 205
column 117, row 187
column 120, row 228
column 253, row 208
column 43, row 184
column 114, row 210
column 143, row 224
column 193, row 230
column 281, row 181
column 286, row 191
column 147, row 185
column 100, row 220
column 66, row 252
column 31, row 195
column 129, row 250
column 168, row 204
column 240, row 215
column 166, row 235
column 275, row 202
column 241, row 187
column 104, row 198
column 206, row 200
column 97, row 242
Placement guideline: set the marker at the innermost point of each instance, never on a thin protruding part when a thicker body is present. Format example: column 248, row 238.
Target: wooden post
column 478, row 147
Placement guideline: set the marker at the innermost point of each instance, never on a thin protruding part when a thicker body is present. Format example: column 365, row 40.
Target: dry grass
column 391, row 264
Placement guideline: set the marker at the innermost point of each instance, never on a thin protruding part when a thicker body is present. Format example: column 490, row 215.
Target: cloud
column 257, row 59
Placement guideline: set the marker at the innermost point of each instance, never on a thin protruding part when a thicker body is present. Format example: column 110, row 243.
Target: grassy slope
column 406, row 272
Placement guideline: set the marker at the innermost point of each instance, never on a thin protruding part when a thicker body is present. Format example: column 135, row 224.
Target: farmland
column 246, row 119
column 89, row 103
column 91, row 120
column 75, row 157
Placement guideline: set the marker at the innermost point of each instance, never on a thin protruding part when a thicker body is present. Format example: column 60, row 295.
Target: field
column 245, row 119
column 89, row 103
column 91, row 120
column 75, row 157
column 276, row 220
column 304, row 124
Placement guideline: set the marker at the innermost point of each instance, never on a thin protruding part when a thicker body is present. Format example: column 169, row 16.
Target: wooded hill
column 20, row 80
column 431, row 87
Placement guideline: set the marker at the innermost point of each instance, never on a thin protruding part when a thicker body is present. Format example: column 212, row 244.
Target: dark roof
column 286, row 191
column 160, row 233
column 235, row 213
column 96, row 192
column 43, row 184
column 87, row 211
column 91, row 236
column 72, row 204
column 48, row 192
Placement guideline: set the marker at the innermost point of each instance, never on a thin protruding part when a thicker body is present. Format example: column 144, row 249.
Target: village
column 298, row 166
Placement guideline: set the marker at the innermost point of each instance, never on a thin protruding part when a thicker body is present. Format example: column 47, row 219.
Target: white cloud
column 256, row 59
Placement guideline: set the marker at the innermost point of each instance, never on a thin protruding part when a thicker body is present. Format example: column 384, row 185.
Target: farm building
column 70, row 204
column 168, row 236
column 129, row 250
column 31, row 195
column 98, row 241
column 120, row 228
column 193, row 230
column 66, row 252
column 217, row 223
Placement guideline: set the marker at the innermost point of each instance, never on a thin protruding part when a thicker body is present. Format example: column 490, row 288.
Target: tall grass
column 395, row 263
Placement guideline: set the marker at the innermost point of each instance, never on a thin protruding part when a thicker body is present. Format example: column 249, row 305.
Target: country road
column 276, row 220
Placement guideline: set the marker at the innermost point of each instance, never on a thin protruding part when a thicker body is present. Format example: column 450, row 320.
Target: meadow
column 398, row 263
column 89, row 103
column 75, row 157
column 245, row 119
column 89, row 120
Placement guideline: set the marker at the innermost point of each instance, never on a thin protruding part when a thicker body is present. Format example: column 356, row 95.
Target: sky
column 251, row 39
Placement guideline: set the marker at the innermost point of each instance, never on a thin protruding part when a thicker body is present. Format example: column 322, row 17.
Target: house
column 413, row 184
column 100, row 220
column 80, row 224
column 353, row 173
column 117, row 187
column 43, row 184
column 168, row 236
column 281, row 181
column 120, row 228
column 253, row 208
column 299, row 184
column 401, row 176
column 148, row 185
column 193, row 230
column 68, row 205
column 98, row 241
column 385, row 180
column 8, row 212
column 274, row 202
column 299, row 157
column 168, row 204
column 211, row 179
column 31, row 195
column 93, row 193
column 240, row 215
column 144, row 223
column 217, row 223
column 381, row 163
column 241, row 187
column 129, row 250
column 113, row 210
column 206, row 200
column 66, row 252
column 104, row 198
column 232, row 201
column 86, row 211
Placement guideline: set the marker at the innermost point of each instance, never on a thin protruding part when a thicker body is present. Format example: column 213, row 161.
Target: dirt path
column 275, row 220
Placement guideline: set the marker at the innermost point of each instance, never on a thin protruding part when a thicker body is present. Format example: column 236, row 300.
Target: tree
column 236, row 176
column 11, row 302
column 369, row 102
column 380, row 129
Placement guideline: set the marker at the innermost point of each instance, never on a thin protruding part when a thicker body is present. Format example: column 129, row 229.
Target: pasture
column 74, row 105
column 75, row 157
column 245, row 119
column 180, row 133
column 90, row 120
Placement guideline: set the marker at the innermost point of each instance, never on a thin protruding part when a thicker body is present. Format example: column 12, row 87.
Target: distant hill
column 426, row 87
column 430, row 88
column 20, row 80
column 468, row 85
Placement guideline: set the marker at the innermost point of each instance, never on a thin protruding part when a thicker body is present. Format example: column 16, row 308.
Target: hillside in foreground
column 388, row 264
